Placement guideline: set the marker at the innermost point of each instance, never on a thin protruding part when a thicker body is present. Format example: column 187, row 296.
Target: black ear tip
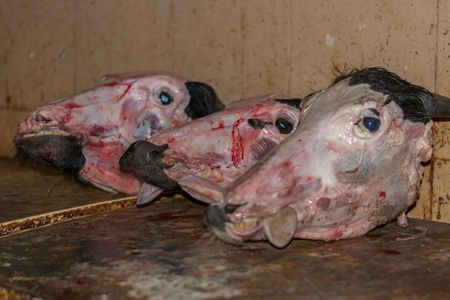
column 204, row 100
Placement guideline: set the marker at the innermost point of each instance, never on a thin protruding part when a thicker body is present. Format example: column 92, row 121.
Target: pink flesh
column 119, row 110
column 208, row 154
column 342, row 182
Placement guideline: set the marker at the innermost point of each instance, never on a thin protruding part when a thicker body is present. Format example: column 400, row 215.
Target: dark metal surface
column 163, row 251
column 27, row 189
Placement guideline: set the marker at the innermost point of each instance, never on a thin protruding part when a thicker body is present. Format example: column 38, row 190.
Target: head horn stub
column 439, row 106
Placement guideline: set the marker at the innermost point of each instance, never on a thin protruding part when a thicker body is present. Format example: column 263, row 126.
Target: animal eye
column 372, row 124
column 369, row 122
column 284, row 126
column 165, row 98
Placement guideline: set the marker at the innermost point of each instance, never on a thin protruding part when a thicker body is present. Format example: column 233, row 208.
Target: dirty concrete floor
column 163, row 251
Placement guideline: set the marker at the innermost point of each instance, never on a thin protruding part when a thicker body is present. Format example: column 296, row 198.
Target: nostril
column 146, row 152
column 155, row 152
column 41, row 118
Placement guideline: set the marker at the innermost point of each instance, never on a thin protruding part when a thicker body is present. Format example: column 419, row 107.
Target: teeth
column 45, row 132
column 280, row 228
column 244, row 226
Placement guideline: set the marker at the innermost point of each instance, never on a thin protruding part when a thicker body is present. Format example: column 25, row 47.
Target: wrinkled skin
column 338, row 175
column 87, row 133
column 206, row 155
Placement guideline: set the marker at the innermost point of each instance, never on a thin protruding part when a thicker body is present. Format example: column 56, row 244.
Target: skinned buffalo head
column 87, row 133
column 352, row 164
column 206, row 155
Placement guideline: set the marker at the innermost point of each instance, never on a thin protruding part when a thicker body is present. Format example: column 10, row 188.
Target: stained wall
column 54, row 48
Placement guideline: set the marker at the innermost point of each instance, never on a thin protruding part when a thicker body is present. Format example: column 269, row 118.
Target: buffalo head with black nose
column 87, row 133
column 206, row 155
column 352, row 164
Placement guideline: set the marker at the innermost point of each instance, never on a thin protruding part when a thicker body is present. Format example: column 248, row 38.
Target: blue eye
column 283, row 125
column 372, row 124
column 165, row 98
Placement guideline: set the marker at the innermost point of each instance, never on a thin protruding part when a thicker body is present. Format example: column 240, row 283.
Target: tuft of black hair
column 204, row 100
column 409, row 97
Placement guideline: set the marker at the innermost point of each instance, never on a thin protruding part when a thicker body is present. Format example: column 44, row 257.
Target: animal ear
column 108, row 78
column 148, row 193
column 204, row 100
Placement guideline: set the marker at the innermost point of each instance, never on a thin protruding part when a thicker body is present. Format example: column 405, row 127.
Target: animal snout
column 148, row 153
column 216, row 216
column 144, row 159
column 142, row 153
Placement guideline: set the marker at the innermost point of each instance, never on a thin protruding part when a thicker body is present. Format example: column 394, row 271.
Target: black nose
column 141, row 153
column 144, row 160
column 216, row 216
